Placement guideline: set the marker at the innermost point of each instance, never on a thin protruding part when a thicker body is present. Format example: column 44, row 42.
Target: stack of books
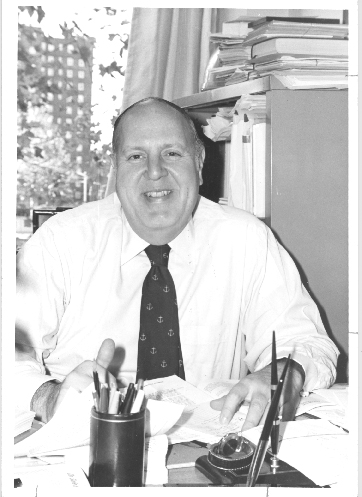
column 300, row 52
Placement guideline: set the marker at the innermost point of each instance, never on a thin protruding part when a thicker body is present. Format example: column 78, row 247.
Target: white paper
column 198, row 420
column 55, row 478
column 155, row 460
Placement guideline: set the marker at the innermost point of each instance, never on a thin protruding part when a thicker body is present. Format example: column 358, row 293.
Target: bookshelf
column 306, row 187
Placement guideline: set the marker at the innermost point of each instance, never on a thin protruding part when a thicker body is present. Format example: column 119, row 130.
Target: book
column 316, row 20
column 278, row 29
column 301, row 46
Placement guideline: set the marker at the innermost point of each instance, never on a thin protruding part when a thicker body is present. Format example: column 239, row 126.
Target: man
column 81, row 274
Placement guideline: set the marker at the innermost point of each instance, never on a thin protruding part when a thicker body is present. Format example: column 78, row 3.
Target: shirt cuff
column 27, row 381
column 317, row 375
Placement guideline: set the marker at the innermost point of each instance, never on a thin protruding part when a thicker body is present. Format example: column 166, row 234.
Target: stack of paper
column 300, row 61
column 232, row 55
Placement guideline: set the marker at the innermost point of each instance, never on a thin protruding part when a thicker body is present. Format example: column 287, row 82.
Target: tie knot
column 158, row 254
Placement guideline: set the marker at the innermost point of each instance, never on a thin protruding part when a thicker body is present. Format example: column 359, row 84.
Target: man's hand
column 49, row 396
column 254, row 390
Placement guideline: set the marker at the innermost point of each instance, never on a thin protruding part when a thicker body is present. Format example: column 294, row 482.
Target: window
column 81, row 63
column 60, row 96
column 69, row 99
column 60, row 60
column 50, row 119
column 81, row 74
column 69, row 73
column 43, row 58
column 50, row 108
column 81, row 86
column 68, row 135
column 60, row 47
column 50, row 71
column 50, row 97
column 50, row 47
column 60, row 84
column 32, row 51
column 80, row 112
column 70, row 61
column 60, row 72
column 68, row 120
column 80, row 99
column 69, row 109
column 80, row 148
column 43, row 46
column 42, row 69
column 79, row 159
column 70, row 48
column 50, row 59
column 59, row 120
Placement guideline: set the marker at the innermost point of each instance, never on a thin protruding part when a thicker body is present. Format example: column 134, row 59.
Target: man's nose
column 155, row 167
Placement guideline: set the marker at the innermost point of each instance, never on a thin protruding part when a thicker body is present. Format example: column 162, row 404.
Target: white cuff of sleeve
column 26, row 386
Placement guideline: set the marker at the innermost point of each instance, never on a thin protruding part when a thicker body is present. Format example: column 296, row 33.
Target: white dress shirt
column 80, row 278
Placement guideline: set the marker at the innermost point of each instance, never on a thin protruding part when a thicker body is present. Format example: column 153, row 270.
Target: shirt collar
column 132, row 244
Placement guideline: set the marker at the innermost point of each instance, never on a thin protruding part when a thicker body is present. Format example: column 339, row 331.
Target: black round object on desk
column 231, row 453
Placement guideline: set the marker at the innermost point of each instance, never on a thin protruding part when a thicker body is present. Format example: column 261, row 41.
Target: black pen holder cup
column 117, row 448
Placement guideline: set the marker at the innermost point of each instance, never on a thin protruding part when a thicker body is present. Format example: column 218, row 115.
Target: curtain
column 168, row 53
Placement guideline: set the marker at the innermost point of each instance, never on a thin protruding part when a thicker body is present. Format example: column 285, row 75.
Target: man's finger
column 217, row 403
column 256, row 410
column 106, row 353
column 232, row 402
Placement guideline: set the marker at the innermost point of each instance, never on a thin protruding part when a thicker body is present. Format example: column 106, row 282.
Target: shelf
column 226, row 93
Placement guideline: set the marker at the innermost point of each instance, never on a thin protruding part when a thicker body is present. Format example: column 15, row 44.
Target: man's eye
column 135, row 157
column 173, row 154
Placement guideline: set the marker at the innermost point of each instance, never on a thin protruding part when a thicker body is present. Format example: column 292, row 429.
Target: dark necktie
column 159, row 347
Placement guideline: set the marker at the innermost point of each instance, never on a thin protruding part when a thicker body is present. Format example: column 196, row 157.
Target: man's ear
column 201, row 159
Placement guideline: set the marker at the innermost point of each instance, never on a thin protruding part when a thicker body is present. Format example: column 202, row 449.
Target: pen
column 128, row 401
column 96, row 378
column 274, row 382
column 260, row 451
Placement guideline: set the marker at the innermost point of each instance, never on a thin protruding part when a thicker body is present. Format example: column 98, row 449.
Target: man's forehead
column 153, row 110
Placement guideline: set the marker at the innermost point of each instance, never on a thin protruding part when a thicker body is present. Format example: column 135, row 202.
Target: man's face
column 158, row 172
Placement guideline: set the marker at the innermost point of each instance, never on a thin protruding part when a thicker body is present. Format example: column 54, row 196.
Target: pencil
column 259, row 454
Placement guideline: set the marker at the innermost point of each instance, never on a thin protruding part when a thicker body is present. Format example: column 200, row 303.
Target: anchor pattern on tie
column 159, row 306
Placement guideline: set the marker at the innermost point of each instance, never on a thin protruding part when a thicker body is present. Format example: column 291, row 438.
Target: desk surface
column 286, row 476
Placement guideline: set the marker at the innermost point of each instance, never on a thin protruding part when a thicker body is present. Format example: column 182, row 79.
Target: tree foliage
column 46, row 174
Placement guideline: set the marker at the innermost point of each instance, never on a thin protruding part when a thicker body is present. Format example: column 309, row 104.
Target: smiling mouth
column 158, row 194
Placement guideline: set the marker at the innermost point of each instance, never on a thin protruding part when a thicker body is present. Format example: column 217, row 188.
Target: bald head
column 155, row 101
